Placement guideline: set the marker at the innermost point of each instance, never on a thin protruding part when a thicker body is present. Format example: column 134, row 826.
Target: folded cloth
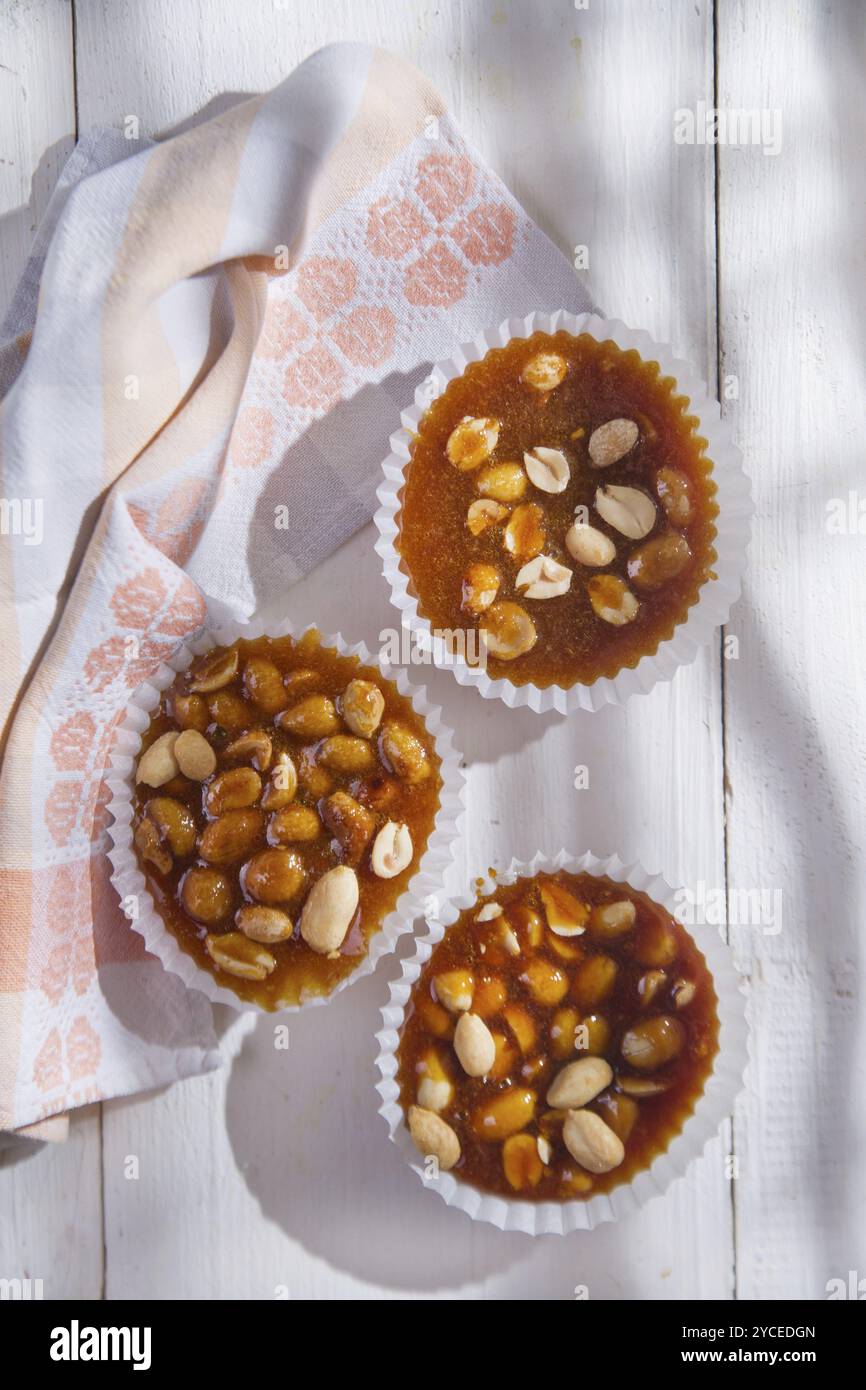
column 252, row 299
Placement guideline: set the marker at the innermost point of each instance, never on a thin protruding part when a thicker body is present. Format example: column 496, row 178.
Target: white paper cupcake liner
column 733, row 497
column 129, row 880
column 713, row 1107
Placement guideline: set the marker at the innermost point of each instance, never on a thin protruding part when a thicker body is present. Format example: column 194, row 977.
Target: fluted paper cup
column 715, row 1104
column 130, row 882
column 732, row 524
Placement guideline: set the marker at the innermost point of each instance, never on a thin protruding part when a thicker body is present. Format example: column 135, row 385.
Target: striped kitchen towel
column 194, row 314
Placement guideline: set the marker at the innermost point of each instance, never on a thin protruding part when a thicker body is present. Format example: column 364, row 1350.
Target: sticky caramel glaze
column 476, row 947
column 602, row 383
column 299, row 971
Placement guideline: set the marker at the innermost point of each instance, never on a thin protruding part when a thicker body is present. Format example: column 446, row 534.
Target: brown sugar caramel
column 602, row 1015
column 476, row 512
column 268, row 766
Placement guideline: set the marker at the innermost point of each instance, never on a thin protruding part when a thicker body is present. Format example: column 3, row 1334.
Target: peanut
column 566, row 915
column 347, row 754
column 205, row 895
column 521, row 1162
column 263, row 923
column 504, row 482
column 237, row 955
column 480, row 587
column 255, row 747
column 490, row 995
column 483, row 514
column 230, row 837
column 507, row 630
column 525, row 534
column 620, row 1113
column 229, row 711
column 471, row 442
column 273, row 876
column 264, row 685
column 157, row 764
column 610, row 920
column 504, row 1115
column 363, row 705
column 215, row 670
column 655, row 943
column 589, row 546
column 544, row 371
column 433, row 1137
column 611, row 442
column 404, row 753
column 175, row 822
column 294, row 824
column 435, row 1089
column 563, row 1033
column 547, row 469
column 233, row 790
column 189, row 712
column 392, row 850
column 148, row 842
column 327, row 914
column 474, row 1045
column 522, row 1025
column 195, row 757
column 612, row 600
column 350, row 823
column 593, row 1035
column 591, row 1142
column 579, row 1083
column 658, row 561
column 546, row 982
column 454, row 990
column 653, row 1042
column 594, row 981
column 627, row 509
column 673, row 490
column 314, row 717
column 282, row 784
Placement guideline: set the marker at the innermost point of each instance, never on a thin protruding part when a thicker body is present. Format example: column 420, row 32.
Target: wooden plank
column 793, row 267
column 37, row 123
column 51, row 1197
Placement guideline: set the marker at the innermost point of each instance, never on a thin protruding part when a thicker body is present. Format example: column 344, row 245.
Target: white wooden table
column 273, row 1177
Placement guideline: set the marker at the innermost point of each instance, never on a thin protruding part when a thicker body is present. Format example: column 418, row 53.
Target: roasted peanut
column 378, row 792
column 611, row 920
column 643, row 1086
column 483, row 514
column 347, row 754
column 619, row 1112
column 294, row 824
column 521, row 1162
column 363, row 705
column 150, row 846
column 265, row 924
column 254, row 747
column 392, row 850
column 611, row 442
column 491, row 993
column 195, row 757
column 480, row 587
column 301, row 679
column 157, row 764
column 327, row 914
column 229, row 711
column 489, row 912
column 546, row 982
column 471, row 442
column 543, row 578
column 474, row 1045
column 504, row 1115
column 435, row 1088
column 215, row 670
column 230, row 837
column 264, row 685
column 404, row 753
column 205, row 895
column 350, row 823
column 506, row 1058
column 627, row 510
column 594, row 980
column 175, row 822
column 655, row 943
column 589, row 546
column 233, row 790
column 237, row 955
column 314, row 717
column 508, row 631
column 673, row 490
column 273, row 876
column 314, row 779
column 544, row 371
column 591, row 1142
column 189, row 712
column 522, row 1025
column 433, row 1137
column 525, row 534
column 282, row 784
column 653, row 1042
column 593, row 1035
column 649, row 985
column 504, row 482
column 566, row 915
column 563, row 1033
column 454, row 990
column 612, row 600
column 683, row 992
column 435, row 1019
column 658, row 561
column 547, row 469
column 579, row 1083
